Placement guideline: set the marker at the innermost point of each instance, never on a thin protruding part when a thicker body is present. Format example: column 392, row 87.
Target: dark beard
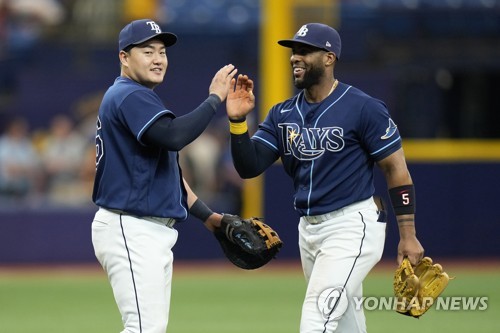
column 311, row 78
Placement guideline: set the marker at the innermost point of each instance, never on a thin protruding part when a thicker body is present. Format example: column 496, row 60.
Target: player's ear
column 330, row 58
column 123, row 56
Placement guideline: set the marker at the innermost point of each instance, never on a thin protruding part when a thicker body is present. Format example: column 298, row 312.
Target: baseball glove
column 247, row 243
column 416, row 288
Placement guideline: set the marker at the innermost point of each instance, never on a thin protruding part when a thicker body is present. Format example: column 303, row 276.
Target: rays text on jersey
column 310, row 143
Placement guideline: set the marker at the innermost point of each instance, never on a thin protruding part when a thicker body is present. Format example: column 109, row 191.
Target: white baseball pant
column 337, row 251
column 136, row 254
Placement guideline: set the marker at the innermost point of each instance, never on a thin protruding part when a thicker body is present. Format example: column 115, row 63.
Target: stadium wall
column 456, row 219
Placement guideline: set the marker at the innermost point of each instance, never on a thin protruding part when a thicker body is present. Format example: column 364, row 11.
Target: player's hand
column 221, row 81
column 240, row 100
column 213, row 222
column 410, row 247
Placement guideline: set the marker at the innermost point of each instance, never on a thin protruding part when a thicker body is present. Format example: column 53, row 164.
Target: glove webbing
column 269, row 235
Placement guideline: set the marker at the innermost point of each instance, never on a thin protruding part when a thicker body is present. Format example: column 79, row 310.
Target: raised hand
column 240, row 100
column 222, row 81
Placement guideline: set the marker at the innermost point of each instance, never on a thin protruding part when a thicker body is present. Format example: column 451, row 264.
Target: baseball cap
column 139, row 31
column 318, row 35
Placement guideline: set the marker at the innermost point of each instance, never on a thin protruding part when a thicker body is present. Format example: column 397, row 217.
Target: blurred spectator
column 87, row 174
column 199, row 164
column 96, row 20
column 37, row 12
column 22, row 24
column 85, row 113
column 230, row 185
column 63, row 152
column 19, row 163
column 207, row 165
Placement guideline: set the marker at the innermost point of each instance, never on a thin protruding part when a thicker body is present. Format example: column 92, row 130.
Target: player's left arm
column 402, row 195
column 250, row 158
column 200, row 210
column 176, row 133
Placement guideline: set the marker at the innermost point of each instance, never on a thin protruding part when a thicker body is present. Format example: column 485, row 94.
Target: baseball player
column 139, row 187
column 329, row 137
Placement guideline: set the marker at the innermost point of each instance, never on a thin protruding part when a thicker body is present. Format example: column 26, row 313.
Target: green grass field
column 222, row 299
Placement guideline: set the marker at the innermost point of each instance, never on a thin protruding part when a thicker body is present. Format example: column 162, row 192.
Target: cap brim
column 167, row 38
column 292, row 42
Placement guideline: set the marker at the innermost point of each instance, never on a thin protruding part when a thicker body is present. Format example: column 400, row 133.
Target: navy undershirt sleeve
column 250, row 158
column 176, row 133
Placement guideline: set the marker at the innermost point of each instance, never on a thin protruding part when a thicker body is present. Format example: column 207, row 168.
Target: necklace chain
column 335, row 84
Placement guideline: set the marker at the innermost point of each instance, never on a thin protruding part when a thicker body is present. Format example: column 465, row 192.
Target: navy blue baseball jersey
column 329, row 148
column 130, row 176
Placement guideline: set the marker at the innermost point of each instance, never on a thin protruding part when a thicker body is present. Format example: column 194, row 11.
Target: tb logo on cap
column 154, row 26
column 302, row 31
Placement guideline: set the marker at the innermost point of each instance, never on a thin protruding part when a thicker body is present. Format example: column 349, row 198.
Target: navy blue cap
column 318, row 35
column 139, row 31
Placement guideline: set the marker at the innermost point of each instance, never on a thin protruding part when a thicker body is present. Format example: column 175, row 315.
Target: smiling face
column 145, row 63
column 308, row 65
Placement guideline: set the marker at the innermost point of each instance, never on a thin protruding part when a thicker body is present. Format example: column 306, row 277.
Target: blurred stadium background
column 436, row 64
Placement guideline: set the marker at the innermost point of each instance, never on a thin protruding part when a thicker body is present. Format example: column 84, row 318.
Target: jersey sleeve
column 380, row 134
column 140, row 109
column 266, row 133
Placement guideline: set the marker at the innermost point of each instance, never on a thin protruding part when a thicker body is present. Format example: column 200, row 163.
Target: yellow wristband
column 238, row 128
